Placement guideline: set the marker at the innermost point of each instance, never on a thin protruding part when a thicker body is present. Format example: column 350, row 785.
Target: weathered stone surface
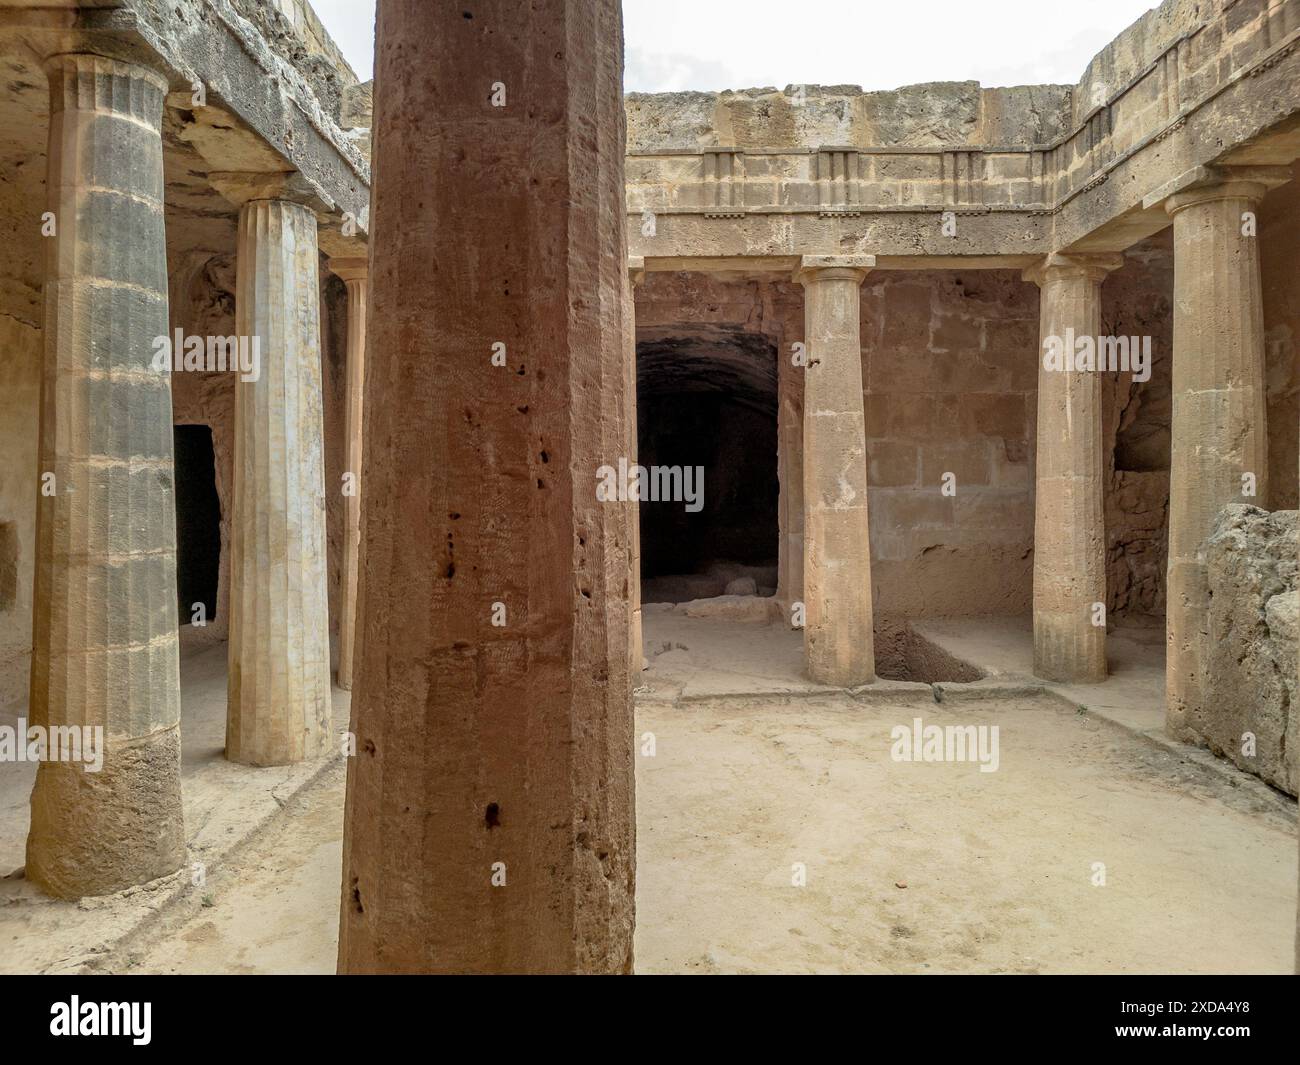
column 733, row 606
column 105, row 650
column 1137, row 301
column 935, row 113
column 494, row 750
column 279, row 709
column 1251, row 563
column 355, row 273
column 837, row 545
column 1219, row 449
column 294, row 32
column 1069, row 531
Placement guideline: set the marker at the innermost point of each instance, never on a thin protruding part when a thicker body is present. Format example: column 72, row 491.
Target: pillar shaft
column 635, row 274
column 105, row 619
column 279, row 693
column 838, row 640
column 790, row 387
column 489, row 823
column 354, row 274
column 1218, row 431
column 1069, row 499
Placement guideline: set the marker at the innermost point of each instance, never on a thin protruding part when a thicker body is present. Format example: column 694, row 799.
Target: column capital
column 1206, row 184
column 833, row 268
column 636, row 269
column 350, row 267
column 1059, row 266
column 243, row 187
column 64, row 66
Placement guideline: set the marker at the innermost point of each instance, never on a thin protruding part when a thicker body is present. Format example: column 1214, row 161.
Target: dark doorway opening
column 708, row 398
column 198, row 522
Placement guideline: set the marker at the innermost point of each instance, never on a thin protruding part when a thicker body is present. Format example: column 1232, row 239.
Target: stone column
column 838, row 641
column 489, row 823
column 1218, row 432
column 278, row 708
column 353, row 271
column 105, row 650
column 790, row 385
column 1069, row 500
column 635, row 275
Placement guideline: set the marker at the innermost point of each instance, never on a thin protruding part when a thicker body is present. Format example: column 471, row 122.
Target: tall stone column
column 1069, row 499
column 635, row 275
column 354, row 273
column 105, row 644
column 839, row 646
column 1218, row 432
column 278, row 709
column 789, row 418
column 489, row 824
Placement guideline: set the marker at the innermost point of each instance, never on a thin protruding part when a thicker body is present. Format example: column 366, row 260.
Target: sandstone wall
column 928, row 115
column 951, row 385
column 1252, row 670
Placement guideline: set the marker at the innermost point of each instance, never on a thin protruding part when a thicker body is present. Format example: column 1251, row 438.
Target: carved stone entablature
column 839, row 179
column 724, row 178
column 1272, row 60
column 1170, row 130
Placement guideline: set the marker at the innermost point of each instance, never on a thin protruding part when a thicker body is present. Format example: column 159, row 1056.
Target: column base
column 98, row 833
column 1068, row 654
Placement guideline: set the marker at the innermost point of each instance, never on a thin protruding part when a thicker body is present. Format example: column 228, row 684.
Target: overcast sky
column 878, row 44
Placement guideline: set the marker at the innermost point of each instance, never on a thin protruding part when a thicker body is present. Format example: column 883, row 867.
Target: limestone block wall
column 951, row 385
column 1253, row 622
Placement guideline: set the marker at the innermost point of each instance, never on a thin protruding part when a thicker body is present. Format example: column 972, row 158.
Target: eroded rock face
column 937, row 113
column 1251, row 558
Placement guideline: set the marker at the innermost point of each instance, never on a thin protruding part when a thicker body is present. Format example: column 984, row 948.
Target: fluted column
column 790, row 387
column 489, row 824
column 635, row 275
column 354, row 274
column 1218, row 431
column 104, row 649
column 1069, row 510
column 838, row 640
column 278, row 708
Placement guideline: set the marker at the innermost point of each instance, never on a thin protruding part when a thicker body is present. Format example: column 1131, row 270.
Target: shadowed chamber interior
column 707, row 398
column 198, row 521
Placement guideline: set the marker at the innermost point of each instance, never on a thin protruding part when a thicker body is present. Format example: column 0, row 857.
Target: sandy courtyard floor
column 910, row 866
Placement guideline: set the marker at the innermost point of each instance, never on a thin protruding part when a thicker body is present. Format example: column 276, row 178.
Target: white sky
column 878, row 44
